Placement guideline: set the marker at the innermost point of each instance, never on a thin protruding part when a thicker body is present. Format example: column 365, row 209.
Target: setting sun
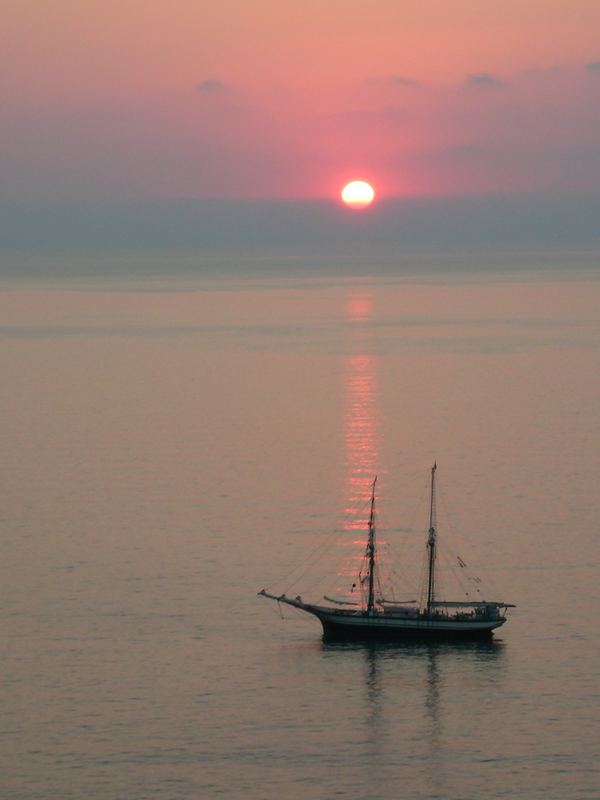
column 358, row 194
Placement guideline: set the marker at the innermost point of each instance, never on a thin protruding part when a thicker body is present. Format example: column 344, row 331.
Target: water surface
column 172, row 447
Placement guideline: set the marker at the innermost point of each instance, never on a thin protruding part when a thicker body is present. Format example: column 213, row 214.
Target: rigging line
column 302, row 574
column 322, row 579
column 464, row 578
column 417, row 508
column 394, row 553
column 309, row 558
column 337, row 536
column 448, row 514
column 466, row 582
column 448, row 563
column 391, row 563
column 473, row 571
column 277, row 610
column 338, row 531
column 395, row 581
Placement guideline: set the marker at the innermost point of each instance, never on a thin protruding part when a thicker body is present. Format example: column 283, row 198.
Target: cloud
column 594, row 66
column 212, row 86
column 483, row 80
column 551, row 73
column 394, row 80
column 400, row 80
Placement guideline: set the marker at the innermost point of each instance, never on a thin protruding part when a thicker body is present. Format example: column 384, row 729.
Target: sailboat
column 378, row 618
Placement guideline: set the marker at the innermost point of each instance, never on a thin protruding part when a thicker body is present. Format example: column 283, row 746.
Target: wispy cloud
column 483, row 80
column 594, row 66
column 394, row 80
column 212, row 86
column 401, row 80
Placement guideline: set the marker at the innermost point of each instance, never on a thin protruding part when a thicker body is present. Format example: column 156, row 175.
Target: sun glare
column 358, row 194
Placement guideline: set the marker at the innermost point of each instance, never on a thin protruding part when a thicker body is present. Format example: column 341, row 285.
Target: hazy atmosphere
column 130, row 129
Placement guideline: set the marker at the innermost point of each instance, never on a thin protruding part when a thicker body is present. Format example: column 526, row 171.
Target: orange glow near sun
column 358, row 194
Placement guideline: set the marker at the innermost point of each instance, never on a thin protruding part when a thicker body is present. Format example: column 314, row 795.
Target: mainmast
column 371, row 552
column 431, row 543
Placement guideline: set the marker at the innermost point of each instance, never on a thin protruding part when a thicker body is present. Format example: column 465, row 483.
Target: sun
column 358, row 194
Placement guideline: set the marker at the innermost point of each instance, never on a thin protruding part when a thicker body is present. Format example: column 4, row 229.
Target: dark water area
column 172, row 446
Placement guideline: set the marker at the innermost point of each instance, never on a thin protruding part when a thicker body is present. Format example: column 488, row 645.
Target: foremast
column 371, row 552
column 431, row 544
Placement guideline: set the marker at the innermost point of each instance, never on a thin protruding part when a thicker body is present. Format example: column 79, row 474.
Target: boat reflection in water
column 411, row 709
column 366, row 607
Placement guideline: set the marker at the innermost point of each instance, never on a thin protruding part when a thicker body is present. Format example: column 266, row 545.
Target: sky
column 262, row 100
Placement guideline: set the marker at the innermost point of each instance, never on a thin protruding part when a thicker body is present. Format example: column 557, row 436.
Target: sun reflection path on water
column 360, row 433
column 360, row 404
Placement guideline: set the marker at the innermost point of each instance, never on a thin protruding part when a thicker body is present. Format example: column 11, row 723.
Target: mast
column 431, row 543
column 371, row 552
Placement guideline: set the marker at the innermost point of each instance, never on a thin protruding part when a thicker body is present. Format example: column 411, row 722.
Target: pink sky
column 289, row 99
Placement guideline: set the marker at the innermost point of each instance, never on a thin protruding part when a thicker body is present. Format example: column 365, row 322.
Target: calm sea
column 170, row 448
